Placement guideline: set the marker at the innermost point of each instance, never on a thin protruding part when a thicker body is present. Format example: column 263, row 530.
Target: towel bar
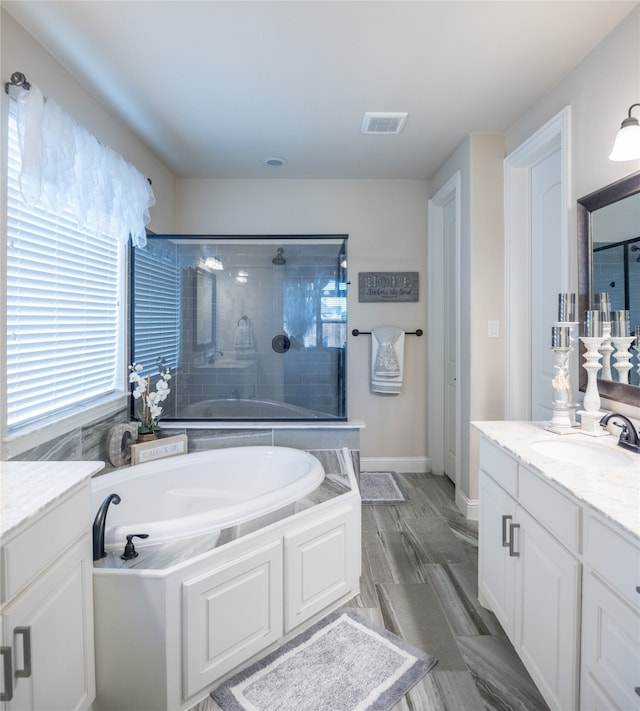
column 417, row 332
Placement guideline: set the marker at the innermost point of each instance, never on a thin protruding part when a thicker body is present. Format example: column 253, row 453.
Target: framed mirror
column 609, row 261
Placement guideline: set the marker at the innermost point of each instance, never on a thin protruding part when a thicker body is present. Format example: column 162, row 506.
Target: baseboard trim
column 403, row 465
column 469, row 507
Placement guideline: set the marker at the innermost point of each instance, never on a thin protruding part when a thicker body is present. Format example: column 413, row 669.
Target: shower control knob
column 129, row 549
column 280, row 343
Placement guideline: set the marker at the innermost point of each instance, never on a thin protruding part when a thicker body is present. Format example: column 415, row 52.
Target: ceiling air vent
column 380, row 122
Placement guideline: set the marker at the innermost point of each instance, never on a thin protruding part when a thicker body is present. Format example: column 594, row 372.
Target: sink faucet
column 629, row 438
column 99, row 525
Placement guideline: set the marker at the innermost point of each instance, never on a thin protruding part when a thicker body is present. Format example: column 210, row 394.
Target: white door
column 450, row 337
column 536, row 246
column 546, row 277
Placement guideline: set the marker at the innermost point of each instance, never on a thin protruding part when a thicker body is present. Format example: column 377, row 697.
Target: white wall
column 386, row 221
column 20, row 52
column 599, row 90
column 479, row 159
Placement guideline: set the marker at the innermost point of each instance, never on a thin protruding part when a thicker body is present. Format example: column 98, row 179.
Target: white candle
column 593, row 324
column 560, row 337
column 566, row 308
column 620, row 325
column 602, row 303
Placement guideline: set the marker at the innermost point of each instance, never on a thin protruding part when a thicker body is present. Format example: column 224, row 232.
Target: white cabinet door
column 610, row 650
column 50, row 630
column 547, row 630
column 495, row 564
column 321, row 564
column 230, row 614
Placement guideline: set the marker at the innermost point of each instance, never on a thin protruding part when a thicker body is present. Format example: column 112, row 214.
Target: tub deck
column 166, row 555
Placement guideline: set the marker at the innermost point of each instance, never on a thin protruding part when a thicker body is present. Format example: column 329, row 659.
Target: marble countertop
column 613, row 491
column 26, row 488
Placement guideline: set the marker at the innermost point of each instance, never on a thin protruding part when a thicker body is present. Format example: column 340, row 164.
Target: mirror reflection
column 609, row 282
column 251, row 328
column 615, row 244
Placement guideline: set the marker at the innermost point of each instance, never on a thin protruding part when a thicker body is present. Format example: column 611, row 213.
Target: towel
column 387, row 359
column 244, row 344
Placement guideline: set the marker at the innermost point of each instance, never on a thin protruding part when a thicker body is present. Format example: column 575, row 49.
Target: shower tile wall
column 276, row 300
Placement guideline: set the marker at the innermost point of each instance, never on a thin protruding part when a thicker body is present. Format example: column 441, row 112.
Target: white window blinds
column 157, row 306
column 63, row 313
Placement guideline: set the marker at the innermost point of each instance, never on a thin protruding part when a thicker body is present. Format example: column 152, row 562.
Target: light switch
column 493, row 330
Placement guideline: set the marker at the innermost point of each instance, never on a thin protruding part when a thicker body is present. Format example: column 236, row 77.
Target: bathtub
column 193, row 494
column 247, row 409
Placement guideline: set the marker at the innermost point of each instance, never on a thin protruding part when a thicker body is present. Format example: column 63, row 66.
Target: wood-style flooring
column 420, row 581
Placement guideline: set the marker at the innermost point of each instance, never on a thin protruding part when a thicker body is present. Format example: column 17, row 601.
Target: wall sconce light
column 627, row 145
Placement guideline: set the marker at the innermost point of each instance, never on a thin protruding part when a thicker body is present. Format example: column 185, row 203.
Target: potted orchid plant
column 151, row 399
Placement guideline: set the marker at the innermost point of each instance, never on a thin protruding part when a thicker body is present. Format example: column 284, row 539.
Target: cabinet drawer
column 555, row 512
column 615, row 558
column 38, row 544
column 499, row 465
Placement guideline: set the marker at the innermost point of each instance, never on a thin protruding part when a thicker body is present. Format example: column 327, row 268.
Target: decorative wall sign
column 158, row 449
column 388, row 286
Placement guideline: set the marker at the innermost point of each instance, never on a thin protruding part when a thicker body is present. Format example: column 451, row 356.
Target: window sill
column 25, row 438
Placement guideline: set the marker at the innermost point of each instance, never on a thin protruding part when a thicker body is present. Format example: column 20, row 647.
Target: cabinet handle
column 512, row 550
column 505, row 518
column 26, row 651
column 7, row 694
column 637, row 690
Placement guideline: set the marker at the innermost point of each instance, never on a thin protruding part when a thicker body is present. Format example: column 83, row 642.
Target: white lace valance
column 64, row 166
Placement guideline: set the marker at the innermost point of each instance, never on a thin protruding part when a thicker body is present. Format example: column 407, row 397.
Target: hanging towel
column 243, row 344
column 387, row 358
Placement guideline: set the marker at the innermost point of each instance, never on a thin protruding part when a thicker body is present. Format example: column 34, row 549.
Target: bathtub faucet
column 99, row 526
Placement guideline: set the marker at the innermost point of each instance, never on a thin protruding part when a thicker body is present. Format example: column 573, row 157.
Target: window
column 64, row 317
column 157, row 306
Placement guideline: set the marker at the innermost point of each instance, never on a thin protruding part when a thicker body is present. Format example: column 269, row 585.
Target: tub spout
column 99, row 526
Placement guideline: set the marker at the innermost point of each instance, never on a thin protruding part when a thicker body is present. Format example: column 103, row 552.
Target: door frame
column 435, row 347
column 552, row 136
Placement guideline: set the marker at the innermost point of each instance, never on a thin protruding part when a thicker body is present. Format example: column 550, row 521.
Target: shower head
column 279, row 259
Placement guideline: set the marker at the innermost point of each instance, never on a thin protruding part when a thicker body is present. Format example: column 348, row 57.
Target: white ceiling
column 212, row 87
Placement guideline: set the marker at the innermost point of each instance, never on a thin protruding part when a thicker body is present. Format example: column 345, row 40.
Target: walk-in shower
column 247, row 335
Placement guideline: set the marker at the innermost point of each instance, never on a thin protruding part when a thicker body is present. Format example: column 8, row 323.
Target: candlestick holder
column 636, row 347
column 591, row 415
column 622, row 356
column 606, row 349
column 561, row 421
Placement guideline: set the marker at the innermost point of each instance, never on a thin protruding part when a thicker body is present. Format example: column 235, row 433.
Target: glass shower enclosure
column 252, row 328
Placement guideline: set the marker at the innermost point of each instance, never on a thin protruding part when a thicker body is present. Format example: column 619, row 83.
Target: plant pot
column 147, row 436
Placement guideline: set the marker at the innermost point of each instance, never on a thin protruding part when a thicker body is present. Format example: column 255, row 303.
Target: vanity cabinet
column 611, row 620
column 529, row 575
column 47, row 609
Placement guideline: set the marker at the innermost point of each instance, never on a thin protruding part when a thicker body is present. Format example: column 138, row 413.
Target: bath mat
column 342, row 663
column 381, row 488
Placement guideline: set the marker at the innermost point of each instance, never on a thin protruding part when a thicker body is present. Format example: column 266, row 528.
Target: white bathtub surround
column 46, row 590
column 559, row 554
column 204, row 492
column 182, row 616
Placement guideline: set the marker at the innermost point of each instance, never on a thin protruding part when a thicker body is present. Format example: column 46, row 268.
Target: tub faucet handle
column 129, row 549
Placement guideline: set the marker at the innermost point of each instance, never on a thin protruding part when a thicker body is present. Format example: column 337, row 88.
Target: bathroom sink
column 585, row 453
